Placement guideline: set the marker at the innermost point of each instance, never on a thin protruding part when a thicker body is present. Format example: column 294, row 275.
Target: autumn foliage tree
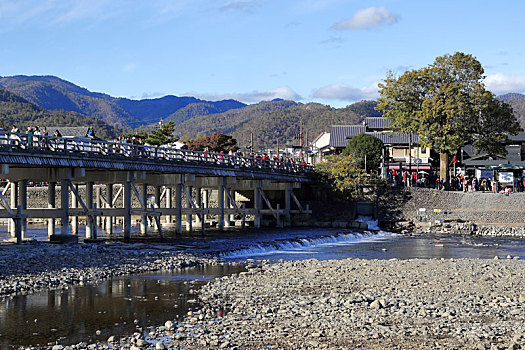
column 447, row 106
column 214, row 143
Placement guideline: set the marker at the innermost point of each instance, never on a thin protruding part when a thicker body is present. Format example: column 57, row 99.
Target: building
column 404, row 150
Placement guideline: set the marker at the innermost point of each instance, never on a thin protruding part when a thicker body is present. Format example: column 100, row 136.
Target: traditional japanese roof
column 389, row 138
column 340, row 134
column 377, row 123
column 73, row 131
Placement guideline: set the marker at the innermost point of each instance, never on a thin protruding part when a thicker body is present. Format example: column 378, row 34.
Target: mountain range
column 51, row 92
column 269, row 121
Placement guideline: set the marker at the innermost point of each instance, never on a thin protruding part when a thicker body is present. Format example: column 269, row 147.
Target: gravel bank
column 349, row 304
column 37, row 266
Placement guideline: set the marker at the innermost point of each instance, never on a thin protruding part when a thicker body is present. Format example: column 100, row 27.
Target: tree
column 215, row 143
column 162, row 136
column 343, row 173
column 367, row 150
column 447, row 106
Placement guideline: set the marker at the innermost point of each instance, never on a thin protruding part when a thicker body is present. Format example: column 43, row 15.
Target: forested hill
column 517, row 102
column 270, row 121
column 51, row 92
column 15, row 110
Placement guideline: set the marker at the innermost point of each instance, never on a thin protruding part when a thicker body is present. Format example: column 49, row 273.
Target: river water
column 123, row 305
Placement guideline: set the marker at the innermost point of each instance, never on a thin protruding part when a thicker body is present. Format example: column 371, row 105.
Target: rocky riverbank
column 36, row 266
column 349, row 304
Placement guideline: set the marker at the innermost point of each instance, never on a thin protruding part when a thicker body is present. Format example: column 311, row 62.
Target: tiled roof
column 394, row 139
column 340, row 134
column 377, row 123
column 75, row 131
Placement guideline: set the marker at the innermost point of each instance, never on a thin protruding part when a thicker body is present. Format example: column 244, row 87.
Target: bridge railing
column 75, row 145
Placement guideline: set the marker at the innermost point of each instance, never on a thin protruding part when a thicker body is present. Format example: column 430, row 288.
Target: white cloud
column 368, row 18
column 500, row 83
column 284, row 92
column 239, row 5
column 129, row 67
column 345, row 92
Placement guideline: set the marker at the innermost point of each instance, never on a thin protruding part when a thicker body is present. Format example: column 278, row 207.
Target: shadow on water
column 117, row 307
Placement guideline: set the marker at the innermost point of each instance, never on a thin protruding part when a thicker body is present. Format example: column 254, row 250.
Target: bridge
column 105, row 184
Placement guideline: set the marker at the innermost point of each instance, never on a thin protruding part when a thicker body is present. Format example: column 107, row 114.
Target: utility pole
column 277, row 149
column 251, row 143
column 301, row 140
column 307, row 147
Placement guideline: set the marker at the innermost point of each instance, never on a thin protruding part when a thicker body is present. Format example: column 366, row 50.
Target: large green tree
column 162, row 136
column 447, row 106
column 343, row 173
column 367, row 150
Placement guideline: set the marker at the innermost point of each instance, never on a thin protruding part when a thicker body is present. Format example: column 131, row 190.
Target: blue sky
column 330, row 51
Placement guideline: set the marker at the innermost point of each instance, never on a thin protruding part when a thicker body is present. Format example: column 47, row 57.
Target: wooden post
column 144, row 218
column 13, row 204
column 98, row 202
column 22, row 192
column 257, row 205
column 51, row 193
column 74, row 218
column 89, row 204
column 178, row 205
column 287, row 202
column 109, row 204
column 127, row 207
column 64, row 205
column 168, row 204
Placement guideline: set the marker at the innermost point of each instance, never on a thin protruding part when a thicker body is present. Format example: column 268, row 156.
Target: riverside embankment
column 453, row 212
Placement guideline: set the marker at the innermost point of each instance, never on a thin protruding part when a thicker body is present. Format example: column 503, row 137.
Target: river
column 124, row 305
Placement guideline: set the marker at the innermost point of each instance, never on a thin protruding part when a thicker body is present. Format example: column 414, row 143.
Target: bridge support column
column 22, row 192
column 168, row 203
column 109, row 204
column 64, row 205
column 287, row 203
column 198, row 202
column 205, row 203
column 257, row 205
column 158, row 191
column 189, row 217
column 127, row 208
column 98, row 200
column 90, row 222
column 178, row 205
column 51, row 192
column 13, row 204
column 74, row 218
column 144, row 218
column 220, row 200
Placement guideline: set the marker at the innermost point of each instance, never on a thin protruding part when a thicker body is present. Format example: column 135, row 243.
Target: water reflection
column 115, row 307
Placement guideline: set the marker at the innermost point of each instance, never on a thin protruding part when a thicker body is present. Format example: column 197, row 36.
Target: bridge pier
column 64, row 205
column 144, row 217
column 51, row 193
column 74, row 218
column 13, row 204
column 22, row 191
column 109, row 205
column 126, row 224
